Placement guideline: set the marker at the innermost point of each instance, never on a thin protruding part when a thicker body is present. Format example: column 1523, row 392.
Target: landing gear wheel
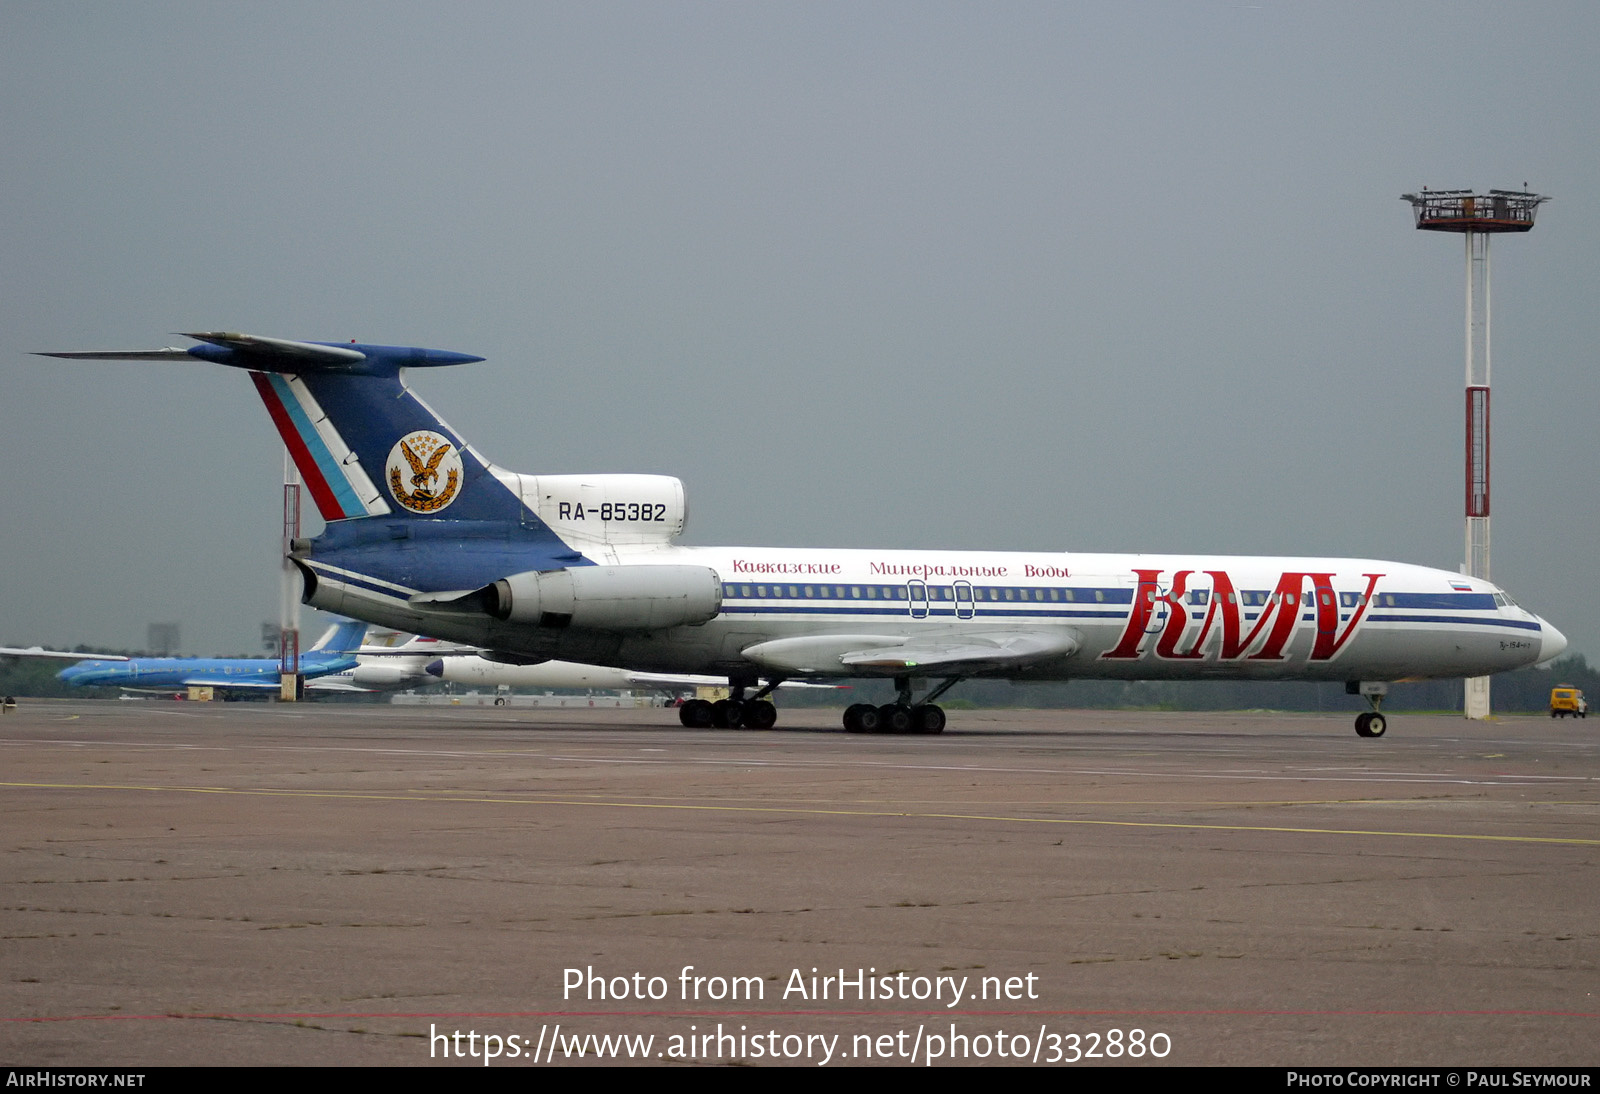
column 695, row 714
column 1371, row 724
column 861, row 718
column 727, row 714
column 499, row 702
column 894, row 718
column 760, row 714
column 928, row 719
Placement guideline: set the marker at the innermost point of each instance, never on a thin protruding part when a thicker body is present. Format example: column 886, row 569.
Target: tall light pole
column 1477, row 217
column 289, row 590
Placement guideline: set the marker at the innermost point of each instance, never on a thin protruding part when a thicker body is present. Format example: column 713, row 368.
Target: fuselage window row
column 1199, row 598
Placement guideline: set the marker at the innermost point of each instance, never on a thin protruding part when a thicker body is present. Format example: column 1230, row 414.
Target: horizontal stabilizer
column 58, row 655
column 281, row 350
column 258, row 354
column 171, row 353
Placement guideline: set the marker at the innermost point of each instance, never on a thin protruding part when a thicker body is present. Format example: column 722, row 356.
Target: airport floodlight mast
column 1477, row 217
column 289, row 590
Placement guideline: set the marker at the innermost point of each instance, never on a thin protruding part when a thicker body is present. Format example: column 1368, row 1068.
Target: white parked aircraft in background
column 426, row 535
column 389, row 660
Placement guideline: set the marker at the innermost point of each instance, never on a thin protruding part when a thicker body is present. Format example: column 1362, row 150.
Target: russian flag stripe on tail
column 336, row 480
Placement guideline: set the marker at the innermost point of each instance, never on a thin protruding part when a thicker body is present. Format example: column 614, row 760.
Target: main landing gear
column 1370, row 723
column 901, row 716
column 734, row 712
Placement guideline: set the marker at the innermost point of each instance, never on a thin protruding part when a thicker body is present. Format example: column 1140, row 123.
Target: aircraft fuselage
column 1168, row 617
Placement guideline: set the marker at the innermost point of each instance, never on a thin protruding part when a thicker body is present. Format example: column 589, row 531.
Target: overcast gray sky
column 1010, row 276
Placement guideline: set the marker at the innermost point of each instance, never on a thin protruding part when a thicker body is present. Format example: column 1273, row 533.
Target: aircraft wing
column 230, row 685
column 934, row 654
column 679, row 683
column 972, row 653
column 180, row 685
column 59, row 655
column 325, row 684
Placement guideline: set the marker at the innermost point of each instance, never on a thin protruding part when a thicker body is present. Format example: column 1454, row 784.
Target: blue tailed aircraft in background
column 334, row 652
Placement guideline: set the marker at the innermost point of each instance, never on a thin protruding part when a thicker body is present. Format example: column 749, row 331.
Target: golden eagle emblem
column 427, row 456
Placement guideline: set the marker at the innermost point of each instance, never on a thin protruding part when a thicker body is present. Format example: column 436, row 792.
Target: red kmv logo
column 1158, row 609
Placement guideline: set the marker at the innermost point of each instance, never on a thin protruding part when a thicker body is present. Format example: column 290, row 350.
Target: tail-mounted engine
column 602, row 598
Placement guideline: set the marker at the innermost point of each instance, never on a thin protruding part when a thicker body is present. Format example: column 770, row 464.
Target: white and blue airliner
column 425, row 535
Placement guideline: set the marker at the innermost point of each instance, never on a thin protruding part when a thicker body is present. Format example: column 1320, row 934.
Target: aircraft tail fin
column 365, row 445
column 345, row 636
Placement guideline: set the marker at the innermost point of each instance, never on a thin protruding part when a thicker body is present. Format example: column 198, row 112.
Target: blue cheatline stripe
column 343, row 492
column 1446, row 602
column 1515, row 623
column 899, row 611
column 365, row 584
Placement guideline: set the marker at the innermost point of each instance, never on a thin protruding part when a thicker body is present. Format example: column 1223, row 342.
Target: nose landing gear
column 1370, row 723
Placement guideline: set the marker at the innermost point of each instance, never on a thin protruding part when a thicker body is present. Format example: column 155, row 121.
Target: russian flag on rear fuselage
column 332, row 472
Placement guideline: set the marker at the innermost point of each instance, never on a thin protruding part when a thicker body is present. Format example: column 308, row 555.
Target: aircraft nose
column 1551, row 642
column 436, row 668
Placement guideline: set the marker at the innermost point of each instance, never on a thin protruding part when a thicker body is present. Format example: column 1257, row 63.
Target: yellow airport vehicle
column 1566, row 699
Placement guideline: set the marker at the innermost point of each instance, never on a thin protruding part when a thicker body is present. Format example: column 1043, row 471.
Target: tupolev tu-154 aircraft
column 425, row 535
